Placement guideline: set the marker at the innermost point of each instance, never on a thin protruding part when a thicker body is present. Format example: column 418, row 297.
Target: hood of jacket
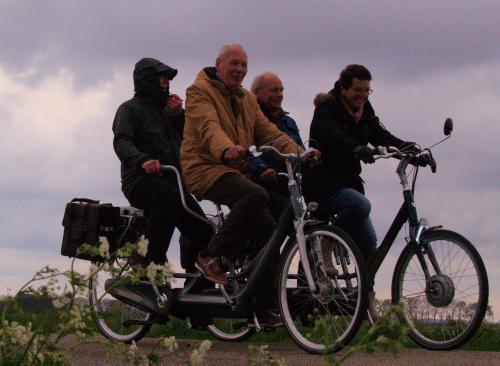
column 333, row 98
column 210, row 74
column 146, row 84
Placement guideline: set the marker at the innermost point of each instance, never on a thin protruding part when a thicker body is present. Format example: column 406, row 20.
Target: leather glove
column 364, row 153
column 312, row 159
column 424, row 160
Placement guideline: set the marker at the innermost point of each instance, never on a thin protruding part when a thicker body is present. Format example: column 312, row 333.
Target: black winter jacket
column 142, row 128
column 335, row 133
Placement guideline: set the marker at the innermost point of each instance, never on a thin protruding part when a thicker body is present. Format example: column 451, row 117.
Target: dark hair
column 353, row 71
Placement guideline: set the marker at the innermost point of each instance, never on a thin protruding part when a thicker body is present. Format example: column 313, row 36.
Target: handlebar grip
column 433, row 165
column 378, row 150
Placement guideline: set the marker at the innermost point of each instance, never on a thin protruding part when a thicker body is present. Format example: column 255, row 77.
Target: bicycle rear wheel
column 328, row 319
column 446, row 313
column 110, row 314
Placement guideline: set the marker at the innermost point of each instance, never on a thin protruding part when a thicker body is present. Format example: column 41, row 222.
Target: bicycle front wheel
column 329, row 318
column 113, row 317
column 446, row 312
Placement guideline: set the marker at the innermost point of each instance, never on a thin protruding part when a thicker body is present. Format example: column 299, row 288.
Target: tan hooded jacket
column 217, row 119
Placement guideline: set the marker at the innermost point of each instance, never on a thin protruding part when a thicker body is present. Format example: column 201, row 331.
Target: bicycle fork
column 301, row 241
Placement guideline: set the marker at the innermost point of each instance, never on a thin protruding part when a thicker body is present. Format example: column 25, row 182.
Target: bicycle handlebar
column 425, row 156
column 166, row 168
column 265, row 148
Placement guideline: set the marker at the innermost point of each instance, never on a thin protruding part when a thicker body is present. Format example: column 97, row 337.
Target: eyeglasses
column 362, row 91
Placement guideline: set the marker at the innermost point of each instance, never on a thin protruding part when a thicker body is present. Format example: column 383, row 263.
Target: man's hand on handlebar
column 151, row 167
column 269, row 175
column 424, row 160
column 312, row 158
column 364, row 153
column 234, row 154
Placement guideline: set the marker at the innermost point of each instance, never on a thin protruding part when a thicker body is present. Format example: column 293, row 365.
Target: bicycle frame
column 407, row 213
column 295, row 212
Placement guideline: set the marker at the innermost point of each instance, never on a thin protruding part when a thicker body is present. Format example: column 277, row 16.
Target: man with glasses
column 343, row 124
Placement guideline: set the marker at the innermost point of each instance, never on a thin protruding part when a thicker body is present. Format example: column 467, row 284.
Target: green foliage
column 387, row 334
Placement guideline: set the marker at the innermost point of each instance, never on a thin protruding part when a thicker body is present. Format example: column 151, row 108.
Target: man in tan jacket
column 222, row 121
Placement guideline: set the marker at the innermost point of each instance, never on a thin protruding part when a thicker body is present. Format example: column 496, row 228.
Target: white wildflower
column 205, row 347
column 196, row 358
column 198, row 354
column 151, row 271
column 167, row 271
column 18, row 334
column 131, row 350
column 170, row 344
column 142, row 246
column 103, row 247
column 57, row 303
column 76, row 320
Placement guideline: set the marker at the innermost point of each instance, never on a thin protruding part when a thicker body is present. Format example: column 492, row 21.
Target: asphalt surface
column 223, row 353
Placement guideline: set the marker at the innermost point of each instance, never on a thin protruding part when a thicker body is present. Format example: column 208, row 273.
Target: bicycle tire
column 449, row 315
column 110, row 313
column 222, row 329
column 342, row 307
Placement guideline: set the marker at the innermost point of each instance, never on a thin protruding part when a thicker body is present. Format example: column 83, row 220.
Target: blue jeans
column 350, row 211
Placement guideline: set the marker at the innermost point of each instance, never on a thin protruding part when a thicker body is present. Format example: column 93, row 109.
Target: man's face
column 271, row 95
column 356, row 96
column 232, row 68
column 164, row 82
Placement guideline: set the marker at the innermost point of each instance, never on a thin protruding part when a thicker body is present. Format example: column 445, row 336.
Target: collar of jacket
column 210, row 74
column 268, row 114
column 234, row 97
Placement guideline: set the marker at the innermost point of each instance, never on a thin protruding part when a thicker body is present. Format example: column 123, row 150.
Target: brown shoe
column 268, row 318
column 211, row 268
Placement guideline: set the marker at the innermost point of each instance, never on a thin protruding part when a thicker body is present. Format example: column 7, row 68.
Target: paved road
column 236, row 354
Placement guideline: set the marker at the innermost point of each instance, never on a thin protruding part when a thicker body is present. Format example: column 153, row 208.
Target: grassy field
column 486, row 339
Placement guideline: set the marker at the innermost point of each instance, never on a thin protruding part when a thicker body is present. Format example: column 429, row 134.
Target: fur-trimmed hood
column 322, row 98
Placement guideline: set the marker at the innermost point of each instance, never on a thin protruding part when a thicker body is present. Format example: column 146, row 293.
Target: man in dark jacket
column 344, row 123
column 148, row 132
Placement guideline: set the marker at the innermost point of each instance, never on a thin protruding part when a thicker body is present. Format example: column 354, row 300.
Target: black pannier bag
column 84, row 221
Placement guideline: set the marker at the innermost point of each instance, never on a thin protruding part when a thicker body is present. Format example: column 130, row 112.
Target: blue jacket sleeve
column 257, row 166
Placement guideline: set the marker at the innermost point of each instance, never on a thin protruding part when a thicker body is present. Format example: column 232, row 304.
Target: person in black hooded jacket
column 344, row 122
column 148, row 132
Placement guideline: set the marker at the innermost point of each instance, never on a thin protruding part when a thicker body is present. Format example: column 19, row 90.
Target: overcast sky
column 65, row 66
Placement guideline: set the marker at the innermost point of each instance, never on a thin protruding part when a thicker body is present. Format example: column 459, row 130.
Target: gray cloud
column 66, row 66
column 92, row 37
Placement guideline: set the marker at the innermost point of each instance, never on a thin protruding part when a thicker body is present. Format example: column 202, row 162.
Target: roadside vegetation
column 53, row 306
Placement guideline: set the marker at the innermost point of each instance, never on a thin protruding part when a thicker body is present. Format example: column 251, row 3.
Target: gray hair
column 227, row 49
column 259, row 81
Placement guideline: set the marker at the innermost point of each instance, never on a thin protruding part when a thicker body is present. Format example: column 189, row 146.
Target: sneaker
column 326, row 253
column 268, row 319
column 211, row 268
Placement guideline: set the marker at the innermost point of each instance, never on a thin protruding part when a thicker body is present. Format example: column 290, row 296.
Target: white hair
column 227, row 49
column 259, row 81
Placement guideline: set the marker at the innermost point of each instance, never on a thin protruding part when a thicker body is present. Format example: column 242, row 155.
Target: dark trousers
column 161, row 202
column 247, row 227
